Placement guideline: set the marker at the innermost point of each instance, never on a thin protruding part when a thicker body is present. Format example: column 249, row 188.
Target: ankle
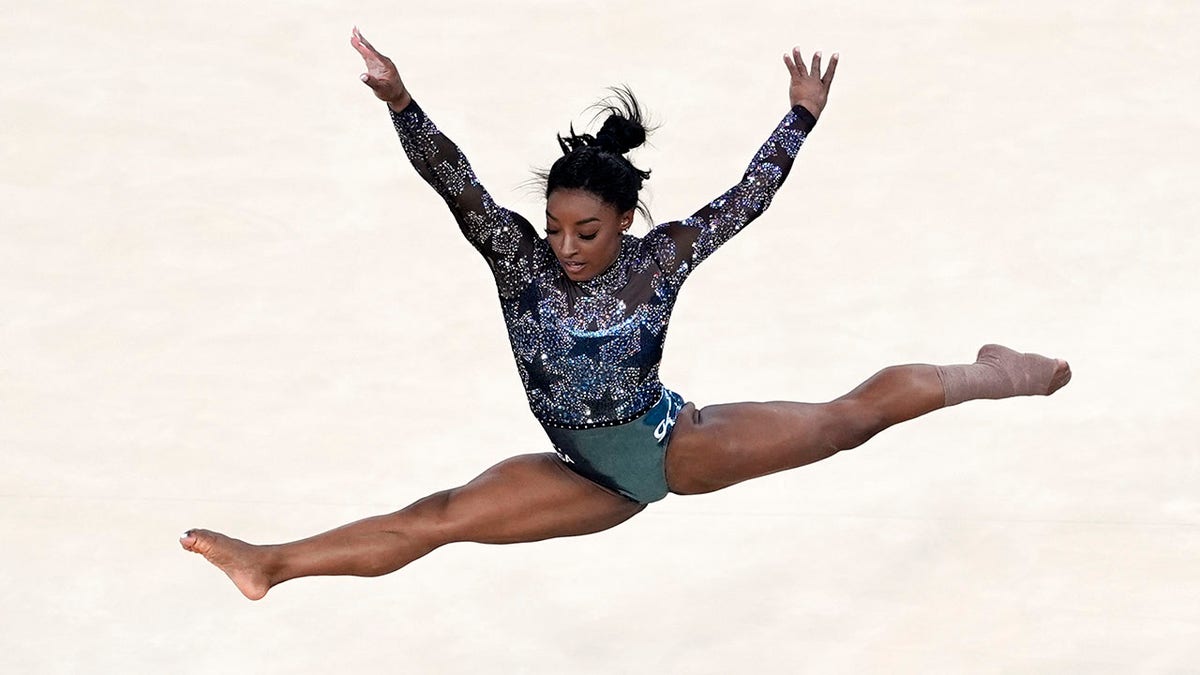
column 271, row 560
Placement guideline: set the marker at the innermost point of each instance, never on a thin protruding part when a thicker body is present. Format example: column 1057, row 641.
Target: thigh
column 530, row 498
column 720, row 445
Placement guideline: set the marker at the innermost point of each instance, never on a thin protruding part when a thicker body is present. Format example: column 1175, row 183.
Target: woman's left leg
column 722, row 445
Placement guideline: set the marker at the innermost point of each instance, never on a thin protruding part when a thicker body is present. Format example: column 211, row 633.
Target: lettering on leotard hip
column 665, row 425
column 563, row 456
column 660, row 431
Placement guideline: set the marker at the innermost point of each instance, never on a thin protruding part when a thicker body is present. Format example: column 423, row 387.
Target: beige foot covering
column 999, row 372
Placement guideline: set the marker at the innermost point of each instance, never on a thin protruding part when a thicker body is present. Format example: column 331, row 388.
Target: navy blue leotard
column 588, row 352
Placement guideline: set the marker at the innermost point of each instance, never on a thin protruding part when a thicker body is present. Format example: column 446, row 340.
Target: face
column 584, row 232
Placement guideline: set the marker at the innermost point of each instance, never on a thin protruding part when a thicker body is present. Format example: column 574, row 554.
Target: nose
column 570, row 246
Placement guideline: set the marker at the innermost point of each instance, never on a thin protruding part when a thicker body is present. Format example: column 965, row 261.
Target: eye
column 550, row 231
column 587, row 237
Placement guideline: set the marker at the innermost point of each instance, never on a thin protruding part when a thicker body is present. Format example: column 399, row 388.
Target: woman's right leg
column 522, row 499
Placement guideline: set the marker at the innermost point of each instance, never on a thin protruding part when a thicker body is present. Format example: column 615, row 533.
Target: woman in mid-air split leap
column 587, row 307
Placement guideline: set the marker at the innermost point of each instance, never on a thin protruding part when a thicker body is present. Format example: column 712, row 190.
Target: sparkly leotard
column 588, row 352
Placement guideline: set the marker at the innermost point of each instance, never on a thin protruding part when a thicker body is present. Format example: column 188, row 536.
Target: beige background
column 226, row 300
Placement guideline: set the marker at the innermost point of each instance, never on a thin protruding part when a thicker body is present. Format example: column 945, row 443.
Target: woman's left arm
column 696, row 237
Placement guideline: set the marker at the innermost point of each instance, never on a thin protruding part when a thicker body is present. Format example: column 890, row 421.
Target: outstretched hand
column 809, row 88
column 381, row 76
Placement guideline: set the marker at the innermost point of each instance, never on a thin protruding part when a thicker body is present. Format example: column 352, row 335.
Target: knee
column 853, row 422
column 428, row 523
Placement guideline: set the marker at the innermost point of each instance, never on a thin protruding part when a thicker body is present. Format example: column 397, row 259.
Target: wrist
column 400, row 103
column 811, row 106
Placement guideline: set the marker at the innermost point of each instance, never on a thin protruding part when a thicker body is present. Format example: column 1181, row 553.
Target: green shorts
column 629, row 457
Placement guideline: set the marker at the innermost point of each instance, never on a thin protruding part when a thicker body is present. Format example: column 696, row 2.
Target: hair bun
column 624, row 129
column 620, row 134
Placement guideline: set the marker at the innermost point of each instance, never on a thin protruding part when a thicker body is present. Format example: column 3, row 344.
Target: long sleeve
column 686, row 243
column 505, row 239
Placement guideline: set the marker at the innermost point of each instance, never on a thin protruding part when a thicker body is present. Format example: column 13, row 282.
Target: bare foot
column 243, row 563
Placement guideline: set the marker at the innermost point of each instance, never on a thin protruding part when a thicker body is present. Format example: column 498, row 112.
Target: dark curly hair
column 598, row 163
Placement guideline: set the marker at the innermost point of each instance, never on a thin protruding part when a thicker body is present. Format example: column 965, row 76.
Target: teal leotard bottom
column 628, row 458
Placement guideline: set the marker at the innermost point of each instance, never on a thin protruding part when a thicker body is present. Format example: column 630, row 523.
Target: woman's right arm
column 492, row 229
column 504, row 238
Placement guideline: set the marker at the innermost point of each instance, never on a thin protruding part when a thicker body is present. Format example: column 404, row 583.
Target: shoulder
column 668, row 243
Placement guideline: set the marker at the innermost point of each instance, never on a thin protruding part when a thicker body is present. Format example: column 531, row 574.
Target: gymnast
column 587, row 307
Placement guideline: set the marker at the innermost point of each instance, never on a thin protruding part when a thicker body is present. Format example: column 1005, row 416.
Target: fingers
column 364, row 48
column 799, row 62
column 357, row 34
column 360, row 47
column 828, row 78
column 791, row 66
column 795, row 65
column 374, row 60
column 367, row 43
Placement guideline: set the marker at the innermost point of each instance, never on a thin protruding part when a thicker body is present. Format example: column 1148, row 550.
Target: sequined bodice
column 588, row 352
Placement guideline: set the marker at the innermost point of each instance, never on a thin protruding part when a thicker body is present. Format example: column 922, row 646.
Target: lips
column 572, row 266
